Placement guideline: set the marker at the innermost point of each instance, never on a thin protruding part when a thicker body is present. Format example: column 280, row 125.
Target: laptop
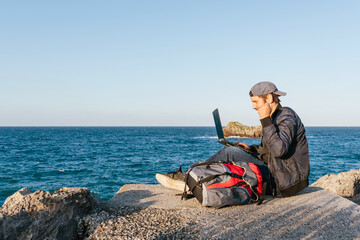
column 220, row 133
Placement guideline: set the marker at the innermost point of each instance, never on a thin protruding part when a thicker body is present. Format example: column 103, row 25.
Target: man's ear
column 269, row 98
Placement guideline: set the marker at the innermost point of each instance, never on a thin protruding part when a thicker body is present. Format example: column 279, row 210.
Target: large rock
column 241, row 130
column 41, row 215
column 345, row 184
column 155, row 212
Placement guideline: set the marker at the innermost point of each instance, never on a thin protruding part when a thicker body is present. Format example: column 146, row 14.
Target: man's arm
column 278, row 138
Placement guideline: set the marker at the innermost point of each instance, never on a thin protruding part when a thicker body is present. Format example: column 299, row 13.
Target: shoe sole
column 170, row 183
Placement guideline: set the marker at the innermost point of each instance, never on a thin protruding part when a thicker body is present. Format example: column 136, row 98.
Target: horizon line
column 148, row 126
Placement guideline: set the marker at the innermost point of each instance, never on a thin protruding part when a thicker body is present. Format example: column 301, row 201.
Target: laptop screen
column 218, row 126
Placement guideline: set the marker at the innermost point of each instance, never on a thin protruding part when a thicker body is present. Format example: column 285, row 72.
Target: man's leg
column 225, row 154
column 234, row 154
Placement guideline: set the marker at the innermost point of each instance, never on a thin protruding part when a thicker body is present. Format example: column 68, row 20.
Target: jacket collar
column 276, row 112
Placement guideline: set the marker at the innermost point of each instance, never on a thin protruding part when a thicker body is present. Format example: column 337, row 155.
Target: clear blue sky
column 170, row 63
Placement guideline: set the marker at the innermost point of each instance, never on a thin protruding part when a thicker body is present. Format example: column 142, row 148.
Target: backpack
column 217, row 184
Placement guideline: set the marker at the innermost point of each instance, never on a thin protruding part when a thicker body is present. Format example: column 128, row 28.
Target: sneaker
column 174, row 180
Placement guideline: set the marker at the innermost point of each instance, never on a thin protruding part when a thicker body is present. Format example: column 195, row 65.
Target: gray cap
column 263, row 88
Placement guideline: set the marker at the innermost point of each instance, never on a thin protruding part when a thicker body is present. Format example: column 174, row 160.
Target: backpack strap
column 207, row 179
column 262, row 196
column 185, row 194
column 202, row 164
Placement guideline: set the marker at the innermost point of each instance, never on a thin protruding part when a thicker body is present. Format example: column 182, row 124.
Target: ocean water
column 105, row 158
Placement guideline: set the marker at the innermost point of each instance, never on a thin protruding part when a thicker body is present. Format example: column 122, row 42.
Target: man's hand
column 243, row 145
column 265, row 111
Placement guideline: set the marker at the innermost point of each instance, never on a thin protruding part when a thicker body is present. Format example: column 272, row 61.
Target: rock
column 345, row 184
column 241, row 130
column 144, row 211
column 140, row 223
column 41, row 215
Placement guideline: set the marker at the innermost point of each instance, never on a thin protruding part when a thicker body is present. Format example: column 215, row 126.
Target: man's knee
column 231, row 150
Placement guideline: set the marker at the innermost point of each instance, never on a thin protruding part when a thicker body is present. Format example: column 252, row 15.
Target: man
column 282, row 156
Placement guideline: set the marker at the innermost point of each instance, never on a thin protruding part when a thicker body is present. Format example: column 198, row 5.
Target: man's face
column 257, row 102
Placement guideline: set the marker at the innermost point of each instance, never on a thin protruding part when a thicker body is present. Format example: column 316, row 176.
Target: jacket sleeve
column 254, row 147
column 278, row 137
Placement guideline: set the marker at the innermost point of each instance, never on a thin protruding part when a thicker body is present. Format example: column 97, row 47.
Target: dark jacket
column 284, row 149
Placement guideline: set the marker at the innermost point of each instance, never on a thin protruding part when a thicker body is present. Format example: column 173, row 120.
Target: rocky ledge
column 241, row 130
column 345, row 184
column 140, row 211
column 41, row 215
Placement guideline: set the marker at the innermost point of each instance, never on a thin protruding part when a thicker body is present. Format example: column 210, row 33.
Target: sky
column 171, row 63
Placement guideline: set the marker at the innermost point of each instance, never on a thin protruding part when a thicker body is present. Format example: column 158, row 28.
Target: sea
column 104, row 159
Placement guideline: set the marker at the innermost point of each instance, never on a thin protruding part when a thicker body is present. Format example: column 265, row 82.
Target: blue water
column 105, row 158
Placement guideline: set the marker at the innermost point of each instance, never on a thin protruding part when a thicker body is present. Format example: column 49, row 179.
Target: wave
column 215, row 137
column 207, row 137
column 236, row 137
